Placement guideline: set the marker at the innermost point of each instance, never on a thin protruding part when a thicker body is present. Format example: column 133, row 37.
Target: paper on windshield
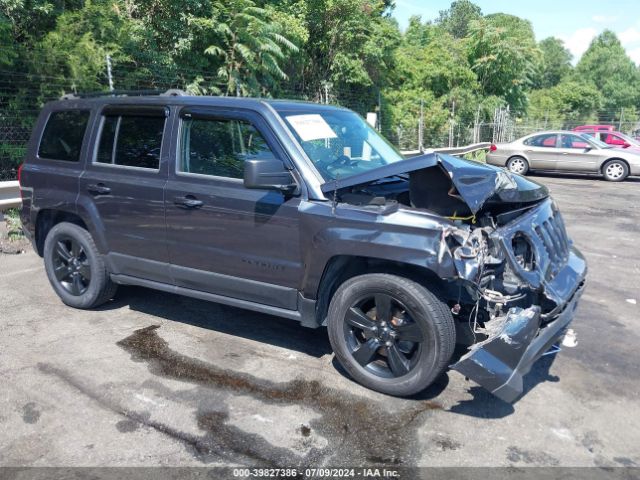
column 311, row 127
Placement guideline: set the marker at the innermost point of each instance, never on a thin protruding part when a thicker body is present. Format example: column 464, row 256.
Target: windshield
column 628, row 139
column 594, row 141
column 339, row 142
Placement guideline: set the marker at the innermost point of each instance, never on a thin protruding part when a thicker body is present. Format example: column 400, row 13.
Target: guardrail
column 474, row 147
column 9, row 195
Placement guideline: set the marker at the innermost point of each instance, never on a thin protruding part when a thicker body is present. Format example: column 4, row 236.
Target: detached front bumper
column 516, row 341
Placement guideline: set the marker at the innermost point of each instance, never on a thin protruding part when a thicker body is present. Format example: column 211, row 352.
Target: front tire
column 75, row 268
column 518, row 165
column 615, row 170
column 390, row 334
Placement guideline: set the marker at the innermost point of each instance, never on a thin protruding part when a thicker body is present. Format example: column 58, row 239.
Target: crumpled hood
column 476, row 183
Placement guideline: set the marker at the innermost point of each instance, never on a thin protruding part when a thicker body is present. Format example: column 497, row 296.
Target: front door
column 123, row 184
column 224, row 238
column 577, row 154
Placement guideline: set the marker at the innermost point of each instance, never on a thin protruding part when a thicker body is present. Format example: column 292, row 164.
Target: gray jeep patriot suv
column 303, row 211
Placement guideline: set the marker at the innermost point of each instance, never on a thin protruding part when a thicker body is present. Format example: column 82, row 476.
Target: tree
column 555, row 62
column 249, row 45
column 457, row 19
column 566, row 104
column 607, row 66
column 437, row 62
column 503, row 54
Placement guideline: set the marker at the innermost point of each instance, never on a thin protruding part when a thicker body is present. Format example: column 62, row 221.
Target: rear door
column 541, row 151
column 224, row 238
column 123, row 188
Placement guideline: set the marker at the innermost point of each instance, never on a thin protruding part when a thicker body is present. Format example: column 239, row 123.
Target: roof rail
column 172, row 92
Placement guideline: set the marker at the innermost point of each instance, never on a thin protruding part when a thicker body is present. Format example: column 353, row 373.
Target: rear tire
column 75, row 268
column 390, row 334
column 615, row 170
column 518, row 165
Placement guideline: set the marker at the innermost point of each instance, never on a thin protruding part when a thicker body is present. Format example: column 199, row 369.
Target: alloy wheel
column 382, row 336
column 71, row 266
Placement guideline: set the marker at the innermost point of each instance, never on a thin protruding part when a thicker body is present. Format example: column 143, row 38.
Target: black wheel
column 390, row 333
column 75, row 268
column 615, row 170
column 518, row 165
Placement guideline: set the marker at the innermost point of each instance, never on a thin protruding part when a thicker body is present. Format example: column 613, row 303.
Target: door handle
column 98, row 189
column 188, row 201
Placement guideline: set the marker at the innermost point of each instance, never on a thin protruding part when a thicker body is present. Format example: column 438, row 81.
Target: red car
column 609, row 136
column 594, row 128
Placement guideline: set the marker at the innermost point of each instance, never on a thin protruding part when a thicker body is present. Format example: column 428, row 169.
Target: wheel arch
column 47, row 219
column 341, row 268
column 601, row 169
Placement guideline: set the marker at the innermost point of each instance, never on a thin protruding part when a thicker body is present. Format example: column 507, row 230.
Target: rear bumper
column 517, row 340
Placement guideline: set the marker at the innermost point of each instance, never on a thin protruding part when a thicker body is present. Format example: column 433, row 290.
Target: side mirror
column 268, row 174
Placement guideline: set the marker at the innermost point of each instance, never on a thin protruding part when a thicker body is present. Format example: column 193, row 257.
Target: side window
column 572, row 141
column 613, row 139
column 219, row 147
column 131, row 141
column 63, row 134
column 548, row 140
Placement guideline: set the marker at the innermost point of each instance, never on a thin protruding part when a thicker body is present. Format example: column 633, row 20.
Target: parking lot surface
column 157, row 379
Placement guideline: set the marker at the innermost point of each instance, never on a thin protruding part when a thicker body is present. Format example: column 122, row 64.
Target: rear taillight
column 493, row 148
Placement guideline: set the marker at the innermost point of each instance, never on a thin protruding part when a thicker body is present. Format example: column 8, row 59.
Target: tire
column 74, row 267
column 518, row 165
column 414, row 349
column 615, row 170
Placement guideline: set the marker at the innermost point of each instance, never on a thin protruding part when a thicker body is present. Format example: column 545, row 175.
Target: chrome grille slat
column 553, row 236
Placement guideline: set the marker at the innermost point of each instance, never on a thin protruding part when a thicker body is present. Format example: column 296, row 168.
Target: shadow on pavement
column 485, row 405
column 262, row 328
column 290, row 335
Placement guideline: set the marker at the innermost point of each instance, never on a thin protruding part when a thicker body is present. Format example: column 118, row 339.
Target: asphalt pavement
column 157, row 379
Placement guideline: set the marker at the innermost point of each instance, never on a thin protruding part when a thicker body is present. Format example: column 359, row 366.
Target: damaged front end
column 525, row 279
column 517, row 277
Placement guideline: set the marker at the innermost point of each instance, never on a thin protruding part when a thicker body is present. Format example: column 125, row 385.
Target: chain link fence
column 410, row 126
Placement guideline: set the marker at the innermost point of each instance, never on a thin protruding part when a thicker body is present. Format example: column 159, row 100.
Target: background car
column 594, row 128
column 613, row 138
column 565, row 151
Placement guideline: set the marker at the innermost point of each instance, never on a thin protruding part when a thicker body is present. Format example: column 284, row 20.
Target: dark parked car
column 304, row 211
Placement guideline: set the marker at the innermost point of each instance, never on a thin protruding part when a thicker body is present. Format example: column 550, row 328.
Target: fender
column 417, row 239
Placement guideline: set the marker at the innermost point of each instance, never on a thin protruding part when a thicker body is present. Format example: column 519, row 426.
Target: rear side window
column 548, row 140
column 131, row 141
column 63, row 135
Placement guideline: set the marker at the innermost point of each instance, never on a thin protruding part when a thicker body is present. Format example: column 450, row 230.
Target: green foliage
column 458, row 68
column 458, row 17
column 568, row 103
column 555, row 63
column 503, row 54
column 606, row 65
column 249, row 45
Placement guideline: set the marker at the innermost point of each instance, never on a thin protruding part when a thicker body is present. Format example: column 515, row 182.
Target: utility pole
column 379, row 111
column 421, row 127
column 451, row 122
column 109, row 74
column 621, row 117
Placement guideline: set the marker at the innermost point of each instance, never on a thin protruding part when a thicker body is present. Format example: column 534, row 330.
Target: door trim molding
column 211, row 297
